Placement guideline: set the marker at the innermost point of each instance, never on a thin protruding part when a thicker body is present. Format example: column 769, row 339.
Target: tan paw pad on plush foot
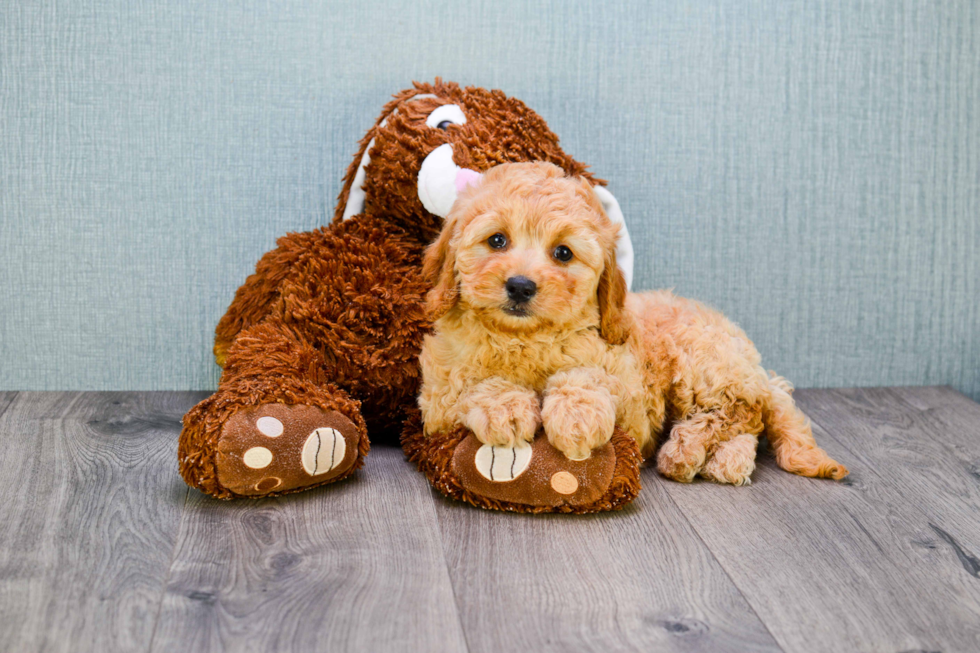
column 277, row 448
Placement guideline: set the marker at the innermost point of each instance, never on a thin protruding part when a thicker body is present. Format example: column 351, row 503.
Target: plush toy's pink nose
column 465, row 177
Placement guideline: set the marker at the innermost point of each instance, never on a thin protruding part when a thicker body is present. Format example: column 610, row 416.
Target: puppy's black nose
column 520, row 289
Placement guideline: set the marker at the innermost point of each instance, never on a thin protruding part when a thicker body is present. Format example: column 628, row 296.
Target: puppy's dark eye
column 444, row 125
column 563, row 254
column 497, row 241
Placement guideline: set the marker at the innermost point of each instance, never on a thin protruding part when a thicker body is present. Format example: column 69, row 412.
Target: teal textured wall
column 811, row 168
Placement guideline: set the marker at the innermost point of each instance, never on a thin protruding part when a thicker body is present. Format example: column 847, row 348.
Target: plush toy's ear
column 352, row 197
column 614, row 321
column 624, row 246
column 438, row 268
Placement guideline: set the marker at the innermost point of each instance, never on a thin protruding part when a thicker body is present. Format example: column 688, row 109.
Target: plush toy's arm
column 255, row 297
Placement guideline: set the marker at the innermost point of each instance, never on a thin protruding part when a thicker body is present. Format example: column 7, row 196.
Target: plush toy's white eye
column 447, row 114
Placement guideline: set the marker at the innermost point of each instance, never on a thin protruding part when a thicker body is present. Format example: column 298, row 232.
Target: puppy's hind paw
column 733, row 461
column 680, row 462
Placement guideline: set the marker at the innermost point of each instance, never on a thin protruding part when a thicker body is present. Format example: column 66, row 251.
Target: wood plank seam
column 170, row 567
column 435, row 496
column 91, row 500
column 900, row 518
column 723, row 568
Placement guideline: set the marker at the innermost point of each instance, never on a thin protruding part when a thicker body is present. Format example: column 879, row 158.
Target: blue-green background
column 811, row 168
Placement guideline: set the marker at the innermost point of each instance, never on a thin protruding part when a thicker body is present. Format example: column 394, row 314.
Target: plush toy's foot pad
column 529, row 478
column 533, row 475
column 276, row 448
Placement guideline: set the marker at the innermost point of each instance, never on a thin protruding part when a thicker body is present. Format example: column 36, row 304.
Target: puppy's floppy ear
column 614, row 320
column 438, row 270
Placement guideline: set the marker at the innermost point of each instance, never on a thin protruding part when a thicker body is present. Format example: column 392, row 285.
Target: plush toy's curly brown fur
column 334, row 318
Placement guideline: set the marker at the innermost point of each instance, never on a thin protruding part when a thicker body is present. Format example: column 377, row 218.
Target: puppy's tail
column 789, row 433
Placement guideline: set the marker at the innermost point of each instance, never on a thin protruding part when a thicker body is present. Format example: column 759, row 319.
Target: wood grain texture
column 639, row 579
column 103, row 548
column 355, row 566
column 931, row 457
column 941, row 397
column 90, row 505
column 837, row 566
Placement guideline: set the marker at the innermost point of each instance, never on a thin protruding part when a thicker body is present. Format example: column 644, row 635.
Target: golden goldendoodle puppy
column 533, row 326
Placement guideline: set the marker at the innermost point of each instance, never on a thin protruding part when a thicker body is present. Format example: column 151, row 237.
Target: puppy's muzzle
column 520, row 290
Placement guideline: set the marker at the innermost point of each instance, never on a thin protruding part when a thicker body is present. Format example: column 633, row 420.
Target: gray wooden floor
column 103, row 548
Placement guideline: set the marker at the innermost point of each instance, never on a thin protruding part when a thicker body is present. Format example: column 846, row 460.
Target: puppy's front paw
column 503, row 418
column 578, row 418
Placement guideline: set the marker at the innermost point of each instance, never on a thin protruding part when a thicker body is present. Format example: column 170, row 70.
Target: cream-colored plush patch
column 502, row 463
column 324, row 450
column 564, row 483
column 437, row 180
column 355, row 198
column 269, row 426
column 257, row 458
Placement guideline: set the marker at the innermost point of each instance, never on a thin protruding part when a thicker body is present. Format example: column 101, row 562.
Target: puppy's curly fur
column 579, row 354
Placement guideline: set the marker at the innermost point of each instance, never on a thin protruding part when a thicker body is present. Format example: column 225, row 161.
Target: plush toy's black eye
column 563, row 254
column 444, row 125
column 497, row 241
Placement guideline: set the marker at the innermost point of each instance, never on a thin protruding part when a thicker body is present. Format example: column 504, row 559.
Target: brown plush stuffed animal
column 320, row 345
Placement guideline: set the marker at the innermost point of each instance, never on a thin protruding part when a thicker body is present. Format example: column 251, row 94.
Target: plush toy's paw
column 504, row 419
column 578, row 420
column 534, row 474
column 232, row 446
column 275, row 448
column 532, row 477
